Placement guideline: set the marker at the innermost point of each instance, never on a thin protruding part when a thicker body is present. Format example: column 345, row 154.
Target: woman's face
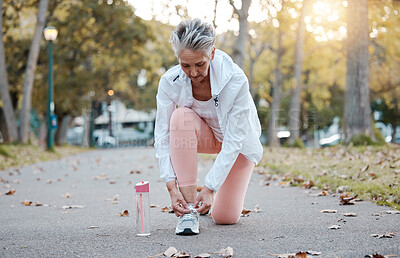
column 195, row 64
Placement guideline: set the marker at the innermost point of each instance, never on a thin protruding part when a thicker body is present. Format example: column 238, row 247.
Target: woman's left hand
column 204, row 200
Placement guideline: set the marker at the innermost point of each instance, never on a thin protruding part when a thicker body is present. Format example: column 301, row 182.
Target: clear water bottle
column 142, row 209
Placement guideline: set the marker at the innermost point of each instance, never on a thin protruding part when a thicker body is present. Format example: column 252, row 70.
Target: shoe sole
column 187, row 232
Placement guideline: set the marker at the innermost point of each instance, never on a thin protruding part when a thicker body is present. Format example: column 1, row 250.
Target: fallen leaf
column 167, row 209
column 313, row 253
column 350, row 214
column 116, row 197
column 301, row 255
column 101, row 177
column 124, row 214
column 170, row 251
column 135, row 172
column 49, row 181
column 26, row 203
column 29, row 203
column 182, row 255
column 11, row 192
column 113, row 182
column 361, row 171
column 293, row 255
column 199, row 188
column 298, row 179
column 375, row 255
column 389, row 235
column 328, row 211
column 206, row 255
column 308, row 184
column 346, row 199
column 154, row 206
column 334, row 227
column 67, row 207
column 226, row 253
column 245, row 213
column 392, row 212
column 66, row 195
column 92, row 227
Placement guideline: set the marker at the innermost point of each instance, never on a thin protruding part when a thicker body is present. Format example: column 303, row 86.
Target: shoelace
column 188, row 216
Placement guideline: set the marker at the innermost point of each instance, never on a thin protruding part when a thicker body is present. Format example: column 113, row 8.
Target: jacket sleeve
column 237, row 126
column 165, row 107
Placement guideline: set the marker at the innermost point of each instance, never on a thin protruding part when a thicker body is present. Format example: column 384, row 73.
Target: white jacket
column 236, row 112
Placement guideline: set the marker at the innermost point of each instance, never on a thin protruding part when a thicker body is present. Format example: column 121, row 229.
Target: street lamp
column 50, row 34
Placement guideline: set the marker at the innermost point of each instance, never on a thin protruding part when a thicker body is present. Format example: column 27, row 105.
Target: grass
column 17, row 155
column 371, row 172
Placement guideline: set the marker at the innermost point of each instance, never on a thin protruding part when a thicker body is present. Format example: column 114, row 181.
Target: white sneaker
column 188, row 224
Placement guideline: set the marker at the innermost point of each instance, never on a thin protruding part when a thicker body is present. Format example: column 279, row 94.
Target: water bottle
column 142, row 209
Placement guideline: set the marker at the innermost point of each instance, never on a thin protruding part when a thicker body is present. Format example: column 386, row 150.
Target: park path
column 81, row 198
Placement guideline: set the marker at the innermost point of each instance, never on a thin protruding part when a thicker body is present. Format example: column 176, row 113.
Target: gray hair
column 195, row 35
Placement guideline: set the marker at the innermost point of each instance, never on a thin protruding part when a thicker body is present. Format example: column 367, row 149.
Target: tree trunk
column 240, row 48
column 295, row 110
column 395, row 121
column 61, row 134
column 273, row 124
column 357, row 119
column 11, row 133
column 30, row 72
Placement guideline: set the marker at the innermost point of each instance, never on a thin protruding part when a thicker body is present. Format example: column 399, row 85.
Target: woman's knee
column 225, row 218
column 181, row 117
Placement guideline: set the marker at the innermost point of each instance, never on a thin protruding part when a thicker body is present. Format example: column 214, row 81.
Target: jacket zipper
column 216, row 101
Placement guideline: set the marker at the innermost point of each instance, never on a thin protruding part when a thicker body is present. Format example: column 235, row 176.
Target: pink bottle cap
column 142, row 187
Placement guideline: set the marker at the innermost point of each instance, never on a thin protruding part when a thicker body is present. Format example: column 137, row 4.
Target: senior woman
column 204, row 106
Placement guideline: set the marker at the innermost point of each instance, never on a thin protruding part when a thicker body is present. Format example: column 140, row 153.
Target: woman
column 204, row 106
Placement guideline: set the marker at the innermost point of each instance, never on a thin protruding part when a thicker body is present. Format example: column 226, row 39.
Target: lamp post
column 110, row 93
column 50, row 34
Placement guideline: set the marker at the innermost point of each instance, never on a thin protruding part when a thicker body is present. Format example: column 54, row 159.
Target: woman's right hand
column 178, row 203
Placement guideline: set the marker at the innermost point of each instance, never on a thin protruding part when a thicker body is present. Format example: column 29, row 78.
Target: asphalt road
column 82, row 197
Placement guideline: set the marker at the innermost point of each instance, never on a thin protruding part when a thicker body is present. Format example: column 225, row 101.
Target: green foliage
column 365, row 140
column 4, row 152
column 298, row 143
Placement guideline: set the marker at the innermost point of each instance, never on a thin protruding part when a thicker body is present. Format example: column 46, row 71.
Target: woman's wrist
column 171, row 187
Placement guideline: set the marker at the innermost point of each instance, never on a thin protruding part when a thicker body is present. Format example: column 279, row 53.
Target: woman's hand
column 204, row 200
column 178, row 203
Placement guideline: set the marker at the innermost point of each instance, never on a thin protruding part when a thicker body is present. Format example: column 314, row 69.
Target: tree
column 276, row 96
column 295, row 109
column 240, row 47
column 357, row 120
column 30, row 72
column 11, row 133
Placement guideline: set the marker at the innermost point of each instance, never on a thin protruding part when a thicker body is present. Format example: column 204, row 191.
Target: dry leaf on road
column 389, row 235
column 67, row 207
column 125, row 213
column 245, row 213
column 66, row 195
column 346, row 199
column 11, row 192
column 328, row 211
column 101, row 177
column 350, row 214
column 167, row 209
column 226, row 253
column 334, row 227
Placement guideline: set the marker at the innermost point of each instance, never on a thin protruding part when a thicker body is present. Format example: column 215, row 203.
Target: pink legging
column 189, row 135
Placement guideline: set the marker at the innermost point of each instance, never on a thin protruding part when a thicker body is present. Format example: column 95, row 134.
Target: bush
column 298, row 143
column 4, row 152
column 363, row 140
